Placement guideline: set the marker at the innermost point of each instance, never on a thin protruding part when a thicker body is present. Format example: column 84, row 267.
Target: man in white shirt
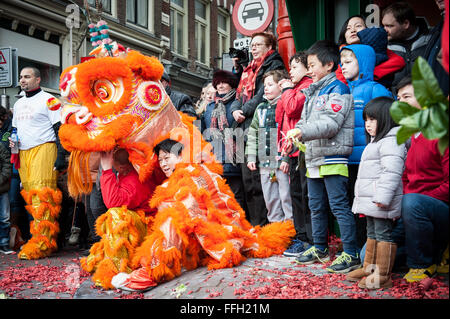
column 40, row 158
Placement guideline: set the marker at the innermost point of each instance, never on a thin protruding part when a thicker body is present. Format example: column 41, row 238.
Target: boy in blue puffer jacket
column 358, row 64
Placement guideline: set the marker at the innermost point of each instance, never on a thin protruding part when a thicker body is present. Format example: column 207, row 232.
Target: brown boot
column 381, row 277
column 369, row 259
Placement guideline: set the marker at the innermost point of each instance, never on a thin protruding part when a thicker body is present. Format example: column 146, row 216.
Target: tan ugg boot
column 381, row 277
column 369, row 259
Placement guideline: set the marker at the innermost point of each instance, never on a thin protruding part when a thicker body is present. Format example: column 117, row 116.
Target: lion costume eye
column 150, row 95
column 106, row 90
column 104, row 85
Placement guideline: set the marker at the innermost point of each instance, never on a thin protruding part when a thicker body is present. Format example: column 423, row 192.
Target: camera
column 242, row 55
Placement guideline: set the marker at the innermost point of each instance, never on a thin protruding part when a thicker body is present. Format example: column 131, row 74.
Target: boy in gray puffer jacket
column 326, row 128
column 378, row 193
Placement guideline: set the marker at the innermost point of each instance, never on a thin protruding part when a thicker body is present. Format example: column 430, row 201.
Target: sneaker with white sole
column 344, row 264
column 6, row 250
column 312, row 255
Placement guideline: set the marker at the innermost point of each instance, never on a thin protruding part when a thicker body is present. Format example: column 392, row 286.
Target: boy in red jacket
column 425, row 201
column 287, row 114
column 125, row 189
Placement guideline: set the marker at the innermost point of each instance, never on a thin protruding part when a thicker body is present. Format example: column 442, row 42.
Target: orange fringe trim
column 121, row 231
column 149, row 68
column 79, row 178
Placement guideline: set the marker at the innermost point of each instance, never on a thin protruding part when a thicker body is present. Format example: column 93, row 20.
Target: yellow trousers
column 36, row 167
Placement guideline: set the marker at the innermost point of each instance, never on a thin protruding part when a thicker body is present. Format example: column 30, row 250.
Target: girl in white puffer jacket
column 378, row 193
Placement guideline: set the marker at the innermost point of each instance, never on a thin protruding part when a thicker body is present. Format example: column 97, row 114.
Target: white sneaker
column 74, row 236
column 5, row 250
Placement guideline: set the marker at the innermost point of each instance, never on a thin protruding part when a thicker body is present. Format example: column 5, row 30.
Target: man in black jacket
column 433, row 52
column 181, row 101
column 407, row 36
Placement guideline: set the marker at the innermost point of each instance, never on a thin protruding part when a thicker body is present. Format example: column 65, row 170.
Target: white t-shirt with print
column 34, row 121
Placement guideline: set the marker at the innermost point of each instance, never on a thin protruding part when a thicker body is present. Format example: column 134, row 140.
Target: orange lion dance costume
column 116, row 100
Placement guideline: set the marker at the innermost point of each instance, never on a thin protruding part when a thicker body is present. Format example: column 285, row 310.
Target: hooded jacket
column 380, row 178
column 363, row 90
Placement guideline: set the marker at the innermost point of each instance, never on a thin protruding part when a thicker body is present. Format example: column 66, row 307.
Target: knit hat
column 222, row 76
column 377, row 39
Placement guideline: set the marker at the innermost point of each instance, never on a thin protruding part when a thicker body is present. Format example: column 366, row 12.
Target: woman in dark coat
column 216, row 119
column 249, row 95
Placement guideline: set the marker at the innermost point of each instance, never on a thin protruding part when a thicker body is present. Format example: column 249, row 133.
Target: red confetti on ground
column 44, row 278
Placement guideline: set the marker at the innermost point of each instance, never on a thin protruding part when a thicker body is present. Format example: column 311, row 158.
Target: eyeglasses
column 257, row 45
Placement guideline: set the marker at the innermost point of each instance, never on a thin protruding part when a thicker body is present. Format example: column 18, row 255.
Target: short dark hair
column 277, row 75
column 326, row 51
column 121, row 156
column 379, row 109
column 401, row 11
column 169, row 146
column 36, row 71
column 341, row 39
column 300, row 56
column 407, row 80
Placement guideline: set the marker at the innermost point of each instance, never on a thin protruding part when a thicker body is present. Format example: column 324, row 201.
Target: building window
column 178, row 26
column 106, row 5
column 223, row 30
column 201, row 31
column 139, row 13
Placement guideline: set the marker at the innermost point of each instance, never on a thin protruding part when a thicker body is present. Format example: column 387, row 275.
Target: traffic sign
column 242, row 43
column 251, row 16
column 6, row 70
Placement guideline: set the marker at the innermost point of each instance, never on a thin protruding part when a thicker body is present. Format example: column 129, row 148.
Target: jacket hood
column 365, row 55
column 377, row 38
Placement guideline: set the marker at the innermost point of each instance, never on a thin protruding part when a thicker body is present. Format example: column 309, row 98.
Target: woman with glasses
column 249, row 95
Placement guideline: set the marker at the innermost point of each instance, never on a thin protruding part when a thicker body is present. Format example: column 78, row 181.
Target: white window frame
column 150, row 18
column 223, row 34
column 173, row 35
column 199, row 21
column 113, row 9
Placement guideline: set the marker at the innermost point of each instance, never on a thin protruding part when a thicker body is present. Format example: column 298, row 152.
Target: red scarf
column 246, row 88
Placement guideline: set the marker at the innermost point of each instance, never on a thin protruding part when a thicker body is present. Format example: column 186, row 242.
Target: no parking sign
column 250, row 16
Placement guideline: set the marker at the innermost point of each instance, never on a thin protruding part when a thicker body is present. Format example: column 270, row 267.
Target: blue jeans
column 4, row 219
column 426, row 229
column 335, row 186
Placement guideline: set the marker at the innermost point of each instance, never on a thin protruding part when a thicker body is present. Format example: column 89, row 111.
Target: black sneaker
column 5, row 250
column 312, row 255
column 344, row 264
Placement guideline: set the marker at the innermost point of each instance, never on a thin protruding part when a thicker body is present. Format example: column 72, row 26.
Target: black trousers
column 299, row 195
column 237, row 187
column 256, row 212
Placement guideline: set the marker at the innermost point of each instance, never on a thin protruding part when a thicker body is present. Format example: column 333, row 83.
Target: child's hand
column 251, row 166
column 380, row 205
column 285, row 83
column 287, row 148
column 284, row 167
